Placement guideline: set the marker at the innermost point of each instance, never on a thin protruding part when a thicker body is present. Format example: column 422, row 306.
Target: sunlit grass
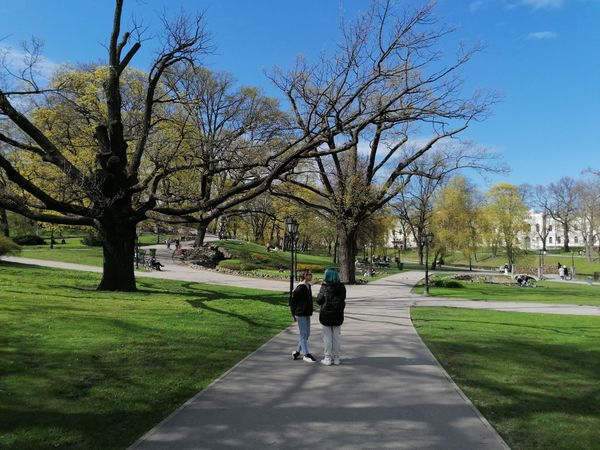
column 95, row 370
column 533, row 376
column 545, row 292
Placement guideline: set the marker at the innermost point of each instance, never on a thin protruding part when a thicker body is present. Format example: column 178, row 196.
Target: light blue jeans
column 332, row 342
column 304, row 328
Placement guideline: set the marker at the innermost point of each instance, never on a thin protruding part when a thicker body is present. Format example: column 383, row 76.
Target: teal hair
column 332, row 276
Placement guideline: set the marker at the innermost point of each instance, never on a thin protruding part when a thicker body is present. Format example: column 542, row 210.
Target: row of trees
column 461, row 217
column 109, row 146
column 465, row 219
column 573, row 204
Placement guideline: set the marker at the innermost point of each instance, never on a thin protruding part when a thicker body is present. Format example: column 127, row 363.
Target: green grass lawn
column 545, row 292
column 533, row 376
column 95, row 370
column 243, row 250
column 73, row 251
column 91, row 256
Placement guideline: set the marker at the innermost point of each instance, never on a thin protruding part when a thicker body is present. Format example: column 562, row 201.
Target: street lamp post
column 291, row 227
column 541, row 265
column 398, row 248
column 371, row 264
column 572, row 264
column 427, row 238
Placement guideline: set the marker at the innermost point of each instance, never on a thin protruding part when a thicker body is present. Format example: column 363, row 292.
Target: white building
column 531, row 240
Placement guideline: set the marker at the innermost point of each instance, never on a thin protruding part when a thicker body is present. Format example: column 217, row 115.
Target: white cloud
column 542, row 35
column 475, row 5
column 15, row 60
column 543, row 4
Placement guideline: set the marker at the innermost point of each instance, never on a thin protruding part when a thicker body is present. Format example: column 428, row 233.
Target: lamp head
column 291, row 225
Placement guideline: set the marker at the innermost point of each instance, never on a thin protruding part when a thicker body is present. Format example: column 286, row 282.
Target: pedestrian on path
column 302, row 308
column 332, row 299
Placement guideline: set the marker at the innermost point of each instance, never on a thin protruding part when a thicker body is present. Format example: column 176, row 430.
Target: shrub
column 312, row 267
column 29, row 239
column 8, row 246
column 237, row 264
column 248, row 266
column 451, row 284
column 259, row 258
column 92, row 240
column 231, row 264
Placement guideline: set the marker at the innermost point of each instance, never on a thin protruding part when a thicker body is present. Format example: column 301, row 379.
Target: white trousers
column 332, row 341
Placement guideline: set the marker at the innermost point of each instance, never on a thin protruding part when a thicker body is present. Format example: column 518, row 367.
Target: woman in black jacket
column 332, row 299
column 302, row 308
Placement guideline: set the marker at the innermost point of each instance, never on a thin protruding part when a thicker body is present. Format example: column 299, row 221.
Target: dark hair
column 332, row 276
column 304, row 273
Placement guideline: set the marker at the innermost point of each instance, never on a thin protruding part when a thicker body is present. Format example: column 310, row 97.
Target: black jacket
column 332, row 298
column 301, row 304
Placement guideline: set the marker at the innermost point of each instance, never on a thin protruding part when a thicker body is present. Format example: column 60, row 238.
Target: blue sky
column 542, row 55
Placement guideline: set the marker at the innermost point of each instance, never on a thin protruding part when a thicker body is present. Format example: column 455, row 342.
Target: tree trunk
column 433, row 264
column 118, row 235
column 4, row 229
column 335, row 251
column 346, row 250
column 566, row 238
column 272, row 233
column 202, row 227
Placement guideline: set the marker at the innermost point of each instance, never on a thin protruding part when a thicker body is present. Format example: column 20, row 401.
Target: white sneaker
column 309, row 358
column 336, row 361
column 326, row 361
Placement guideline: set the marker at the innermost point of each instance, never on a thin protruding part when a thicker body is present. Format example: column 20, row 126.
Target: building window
column 550, row 240
column 576, row 239
column 558, row 239
column 537, row 227
column 549, row 227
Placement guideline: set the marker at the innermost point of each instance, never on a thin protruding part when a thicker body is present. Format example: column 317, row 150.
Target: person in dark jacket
column 302, row 308
column 332, row 299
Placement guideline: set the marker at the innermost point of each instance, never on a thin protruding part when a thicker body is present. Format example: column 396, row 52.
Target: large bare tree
column 538, row 199
column 229, row 133
column 588, row 214
column 113, row 197
column 382, row 101
column 563, row 205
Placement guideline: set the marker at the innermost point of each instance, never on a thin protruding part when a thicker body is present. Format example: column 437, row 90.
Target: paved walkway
column 389, row 392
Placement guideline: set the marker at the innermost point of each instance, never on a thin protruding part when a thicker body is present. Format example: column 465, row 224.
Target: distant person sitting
column 155, row 264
